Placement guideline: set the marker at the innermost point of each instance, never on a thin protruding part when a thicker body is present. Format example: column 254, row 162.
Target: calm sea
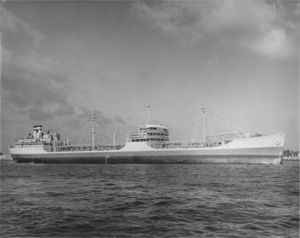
column 53, row 200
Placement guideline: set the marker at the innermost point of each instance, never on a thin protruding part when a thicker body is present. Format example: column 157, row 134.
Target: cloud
column 32, row 83
column 65, row 109
column 252, row 25
column 38, row 115
column 13, row 27
column 102, row 119
column 119, row 119
column 85, row 114
column 273, row 43
column 171, row 17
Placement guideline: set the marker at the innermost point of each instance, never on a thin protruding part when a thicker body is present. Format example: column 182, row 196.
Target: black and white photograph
column 149, row 118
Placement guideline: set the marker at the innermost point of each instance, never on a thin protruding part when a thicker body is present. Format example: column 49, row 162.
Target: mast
column 93, row 128
column 204, row 124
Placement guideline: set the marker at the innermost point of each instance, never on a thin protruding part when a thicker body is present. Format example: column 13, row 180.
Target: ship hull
column 271, row 155
column 253, row 150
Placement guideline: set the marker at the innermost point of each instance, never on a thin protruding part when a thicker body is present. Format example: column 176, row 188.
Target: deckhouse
column 154, row 135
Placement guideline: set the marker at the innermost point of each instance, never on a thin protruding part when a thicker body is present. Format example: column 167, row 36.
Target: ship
column 151, row 145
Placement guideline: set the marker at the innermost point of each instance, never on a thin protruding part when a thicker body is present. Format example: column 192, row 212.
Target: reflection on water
column 149, row 200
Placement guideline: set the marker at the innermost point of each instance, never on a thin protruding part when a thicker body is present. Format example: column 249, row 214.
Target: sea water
column 159, row 200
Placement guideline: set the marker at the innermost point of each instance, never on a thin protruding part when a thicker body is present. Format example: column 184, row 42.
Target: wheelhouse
column 154, row 135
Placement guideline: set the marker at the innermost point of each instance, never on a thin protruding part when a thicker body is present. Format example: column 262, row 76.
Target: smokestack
column 37, row 130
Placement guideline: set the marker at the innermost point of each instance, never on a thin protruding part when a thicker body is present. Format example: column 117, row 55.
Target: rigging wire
column 197, row 127
column 84, row 137
column 83, row 134
column 78, row 135
column 104, row 131
column 216, row 112
column 98, row 140
column 230, row 126
column 211, row 128
column 103, row 127
column 185, row 125
column 196, row 120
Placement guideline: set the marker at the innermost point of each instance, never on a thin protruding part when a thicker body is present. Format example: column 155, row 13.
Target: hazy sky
column 59, row 59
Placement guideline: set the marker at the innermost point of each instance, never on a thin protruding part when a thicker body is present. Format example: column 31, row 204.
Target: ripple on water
column 149, row 200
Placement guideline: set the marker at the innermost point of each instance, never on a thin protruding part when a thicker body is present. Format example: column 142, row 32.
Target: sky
column 238, row 58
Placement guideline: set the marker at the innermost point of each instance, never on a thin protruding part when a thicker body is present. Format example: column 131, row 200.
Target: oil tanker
column 151, row 144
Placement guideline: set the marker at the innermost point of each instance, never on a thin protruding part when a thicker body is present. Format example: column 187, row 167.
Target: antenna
column 204, row 124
